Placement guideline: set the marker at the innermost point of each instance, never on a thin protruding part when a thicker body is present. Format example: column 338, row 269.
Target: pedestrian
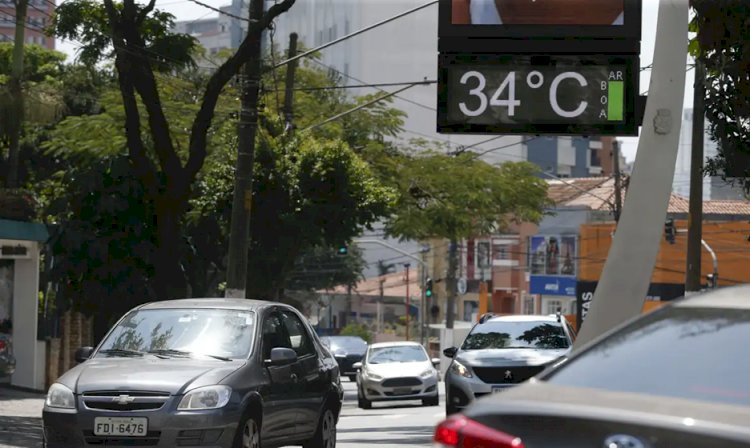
column 538, row 12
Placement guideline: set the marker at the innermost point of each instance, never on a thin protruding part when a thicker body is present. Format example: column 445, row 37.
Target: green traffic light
column 428, row 293
column 343, row 250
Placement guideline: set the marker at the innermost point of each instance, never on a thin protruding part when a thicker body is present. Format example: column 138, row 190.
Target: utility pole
column 16, row 91
column 239, row 235
column 695, row 216
column 618, row 181
column 407, row 302
column 450, row 280
column 289, row 86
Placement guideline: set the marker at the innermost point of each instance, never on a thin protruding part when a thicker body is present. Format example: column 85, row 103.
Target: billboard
column 552, row 265
column 578, row 19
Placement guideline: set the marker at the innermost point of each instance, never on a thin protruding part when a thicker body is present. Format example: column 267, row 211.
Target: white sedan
column 397, row 371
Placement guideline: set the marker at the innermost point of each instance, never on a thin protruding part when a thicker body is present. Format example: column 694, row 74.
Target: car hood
column 506, row 356
column 147, row 374
column 399, row 369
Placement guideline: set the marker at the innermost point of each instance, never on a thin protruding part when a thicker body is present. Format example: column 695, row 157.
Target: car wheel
column 432, row 401
column 363, row 402
column 353, row 378
column 248, row 434
column 325, row 435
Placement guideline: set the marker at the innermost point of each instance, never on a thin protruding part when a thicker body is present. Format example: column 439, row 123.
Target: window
column 396, row 354
column 273, row 335
column 553, row 306
column 516, row 334
column 298, row 337
column 483, row 255
column 529, row 305
column 691, row 353
column 501, row 252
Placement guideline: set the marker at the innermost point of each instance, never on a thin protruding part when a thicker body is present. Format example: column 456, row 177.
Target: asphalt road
column 386, row 425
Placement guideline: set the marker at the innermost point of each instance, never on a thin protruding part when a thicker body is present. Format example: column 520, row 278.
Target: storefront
column 553, row 263
column 20, row 245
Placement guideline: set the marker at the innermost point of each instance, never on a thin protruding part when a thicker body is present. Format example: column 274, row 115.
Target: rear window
column 504, row 334
column 347, row 343
column 699, row 354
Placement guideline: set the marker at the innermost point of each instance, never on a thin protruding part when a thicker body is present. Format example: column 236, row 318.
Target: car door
column 312, row 377
column 281, row 394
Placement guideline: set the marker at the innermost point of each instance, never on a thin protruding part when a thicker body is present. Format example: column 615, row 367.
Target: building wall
column 728, row 239
column 37, row 18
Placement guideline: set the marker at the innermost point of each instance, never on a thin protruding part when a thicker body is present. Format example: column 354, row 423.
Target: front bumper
column 205, row 429
column 378, row 391
column 461, row 391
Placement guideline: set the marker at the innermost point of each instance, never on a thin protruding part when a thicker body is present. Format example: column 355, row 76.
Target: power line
column 212, row 8
column 360, row 86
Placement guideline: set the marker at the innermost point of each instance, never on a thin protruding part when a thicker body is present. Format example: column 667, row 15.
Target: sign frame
column 630, row 29
column 627, row 128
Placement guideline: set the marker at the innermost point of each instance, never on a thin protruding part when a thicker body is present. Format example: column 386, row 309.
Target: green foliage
column 461, row 197
column 40, row 63
column 359, row 330
column 323, row 268
column 723, row 44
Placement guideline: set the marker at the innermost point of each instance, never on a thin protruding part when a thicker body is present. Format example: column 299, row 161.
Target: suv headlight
column 460, row 369
column 209, row 397
column 428, row 373
column 59, row 396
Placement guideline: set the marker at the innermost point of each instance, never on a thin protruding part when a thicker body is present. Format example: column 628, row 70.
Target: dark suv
column 501, row 352
column 200, row 372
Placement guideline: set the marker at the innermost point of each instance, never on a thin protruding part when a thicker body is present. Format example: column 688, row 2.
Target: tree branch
column 232, row 66
column 145, row 12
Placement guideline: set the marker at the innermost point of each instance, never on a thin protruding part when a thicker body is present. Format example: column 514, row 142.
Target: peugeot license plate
column 120, row 426
column 498, row 389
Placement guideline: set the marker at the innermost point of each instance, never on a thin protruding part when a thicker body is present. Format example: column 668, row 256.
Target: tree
column 461, row 197
column 723, row 45
column 139, row 39
column 321, row 267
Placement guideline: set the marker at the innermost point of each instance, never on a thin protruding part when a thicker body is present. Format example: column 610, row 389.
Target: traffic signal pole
column 626, row 276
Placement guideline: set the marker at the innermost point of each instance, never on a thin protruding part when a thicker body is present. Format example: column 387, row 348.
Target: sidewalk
column 20, row 418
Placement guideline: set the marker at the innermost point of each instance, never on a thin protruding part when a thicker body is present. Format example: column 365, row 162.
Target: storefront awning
column 24, row 231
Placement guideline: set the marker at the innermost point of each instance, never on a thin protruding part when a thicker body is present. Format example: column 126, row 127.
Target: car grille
column 402, row 382
column 139, row 401
column 499, row 375
column 150, row 439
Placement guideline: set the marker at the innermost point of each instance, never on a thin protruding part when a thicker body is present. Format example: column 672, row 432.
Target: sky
column 187, row 10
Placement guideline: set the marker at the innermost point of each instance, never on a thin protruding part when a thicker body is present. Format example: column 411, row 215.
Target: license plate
column 405, row 391
column 120, row 426
column 497, row 389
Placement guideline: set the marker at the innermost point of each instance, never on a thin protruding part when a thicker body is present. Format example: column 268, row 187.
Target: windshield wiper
column 121, row 352
column 170, row 352
column 220, row 358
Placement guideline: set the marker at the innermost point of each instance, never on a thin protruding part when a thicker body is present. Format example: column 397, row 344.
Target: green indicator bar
column 615, row 101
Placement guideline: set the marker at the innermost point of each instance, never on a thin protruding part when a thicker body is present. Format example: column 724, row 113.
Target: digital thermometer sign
column 556, row 94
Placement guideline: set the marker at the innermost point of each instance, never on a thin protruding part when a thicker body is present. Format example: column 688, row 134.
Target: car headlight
column 209, row 397
column 59, row 396
column 372, row 376
column 460, row 369
column 428, row 373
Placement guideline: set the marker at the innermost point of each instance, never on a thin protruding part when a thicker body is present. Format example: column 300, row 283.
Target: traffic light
column 428, row 288
column 342, row 250
column 670, row 231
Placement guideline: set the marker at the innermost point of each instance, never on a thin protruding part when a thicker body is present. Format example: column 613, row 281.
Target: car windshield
column 690, row 353
column 504, row 335
column 173, row 332
column 385, row 355
column 346, row 344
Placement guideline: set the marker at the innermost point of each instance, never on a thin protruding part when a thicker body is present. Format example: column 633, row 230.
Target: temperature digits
column 534, row 80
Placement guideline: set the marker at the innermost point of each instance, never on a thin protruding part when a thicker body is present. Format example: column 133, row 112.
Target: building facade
column 38, row 16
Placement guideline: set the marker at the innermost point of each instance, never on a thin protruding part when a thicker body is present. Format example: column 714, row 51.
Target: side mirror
column 435, row 362
column 83, row 353
column 281, row 356
column 357, row 365
column 450, row 352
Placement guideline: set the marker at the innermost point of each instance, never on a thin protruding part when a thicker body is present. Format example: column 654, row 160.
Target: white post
column 624, row 283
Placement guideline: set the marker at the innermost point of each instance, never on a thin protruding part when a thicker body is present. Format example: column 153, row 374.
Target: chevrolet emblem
column 122, row 400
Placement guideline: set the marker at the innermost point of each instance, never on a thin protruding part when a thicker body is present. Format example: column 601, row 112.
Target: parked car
column 674, row 377
column 199, row 372
column 397, row 371
column 347, row 350
column 7, row 360
column 503, row 351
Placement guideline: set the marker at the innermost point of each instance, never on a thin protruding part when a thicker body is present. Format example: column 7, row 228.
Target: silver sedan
column 397, row 371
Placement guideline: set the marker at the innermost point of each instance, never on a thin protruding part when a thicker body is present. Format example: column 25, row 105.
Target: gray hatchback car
column 200, row 373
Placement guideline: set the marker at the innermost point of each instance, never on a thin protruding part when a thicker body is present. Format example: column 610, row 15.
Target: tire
column 432, row 401
column 362, row 402
column 353, row 378
column 248, row 433
column 325, row 434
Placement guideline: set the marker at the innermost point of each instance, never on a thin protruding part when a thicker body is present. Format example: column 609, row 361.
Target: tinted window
column 404, row 353
column 273, row 335
column 497, row 335
column 219, row 332
column 688, row 353
column 298, row 337
column 347, row 344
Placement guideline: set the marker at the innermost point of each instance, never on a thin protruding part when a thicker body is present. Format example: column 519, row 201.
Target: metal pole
column 289, row 85
column 406, row 302
column 627, row 272
column 616, row 172
column 695, row 216
column 715, row 262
